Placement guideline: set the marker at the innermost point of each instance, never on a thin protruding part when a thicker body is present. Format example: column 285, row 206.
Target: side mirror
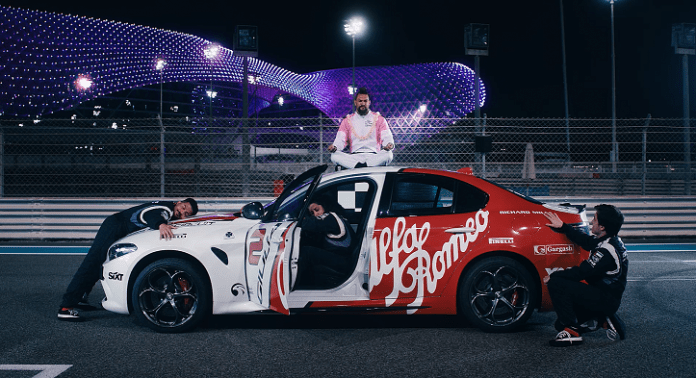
column 252, row 210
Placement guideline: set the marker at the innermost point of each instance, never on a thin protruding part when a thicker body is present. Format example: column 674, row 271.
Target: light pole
column 614, row 146
column 354, row 27
column 211, row 52
column 565, row 80
column 684, row 43
column 476, row 43
column 160, row 67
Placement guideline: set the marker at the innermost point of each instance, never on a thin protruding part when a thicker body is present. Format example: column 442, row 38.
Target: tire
column 497, row 294
column 170, row 296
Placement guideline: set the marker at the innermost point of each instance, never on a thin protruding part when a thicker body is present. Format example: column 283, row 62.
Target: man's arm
column 587, row 242
column 598, row 263
column 341, row 140
column 385, row 134
column 166, row 231
column 157, row 218
column 325, row 224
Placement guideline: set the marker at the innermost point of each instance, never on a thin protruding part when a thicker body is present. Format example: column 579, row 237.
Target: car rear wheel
column 497, row 294
column 171, row 295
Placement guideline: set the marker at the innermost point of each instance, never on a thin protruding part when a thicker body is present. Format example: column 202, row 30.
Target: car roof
column 382, row 169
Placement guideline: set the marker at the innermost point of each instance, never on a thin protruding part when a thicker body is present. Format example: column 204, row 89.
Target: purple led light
column 43, row 54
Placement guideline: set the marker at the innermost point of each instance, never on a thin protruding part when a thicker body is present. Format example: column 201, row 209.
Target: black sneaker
column 83, row 304
column 568, row 337
column 615, row 327
column 68, row 314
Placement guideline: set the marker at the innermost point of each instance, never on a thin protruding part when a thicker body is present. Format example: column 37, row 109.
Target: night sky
column 523, row 72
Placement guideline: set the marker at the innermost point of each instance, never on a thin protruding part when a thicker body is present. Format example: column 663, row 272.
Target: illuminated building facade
column 53, row 62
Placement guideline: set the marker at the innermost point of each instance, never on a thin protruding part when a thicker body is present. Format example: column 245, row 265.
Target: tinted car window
column 421, row 197
column 470, row 198
column 432, row 195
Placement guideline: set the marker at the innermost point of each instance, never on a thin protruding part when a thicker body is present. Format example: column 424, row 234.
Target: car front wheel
column 171, row 295
column 497, row 294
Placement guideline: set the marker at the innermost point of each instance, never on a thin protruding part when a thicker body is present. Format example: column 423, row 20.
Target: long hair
column 329, row 204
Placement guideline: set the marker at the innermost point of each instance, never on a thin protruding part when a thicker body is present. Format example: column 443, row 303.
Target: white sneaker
column 567, row 337
column 68, row 314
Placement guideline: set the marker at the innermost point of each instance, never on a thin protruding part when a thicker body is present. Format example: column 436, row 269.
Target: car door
column 425, row 224
column 269, row 244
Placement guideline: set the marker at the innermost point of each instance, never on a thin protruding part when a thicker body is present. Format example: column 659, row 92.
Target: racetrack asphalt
column 658, row 308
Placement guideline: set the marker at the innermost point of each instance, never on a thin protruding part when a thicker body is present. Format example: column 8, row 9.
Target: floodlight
column 211, row 51
column 355, row 26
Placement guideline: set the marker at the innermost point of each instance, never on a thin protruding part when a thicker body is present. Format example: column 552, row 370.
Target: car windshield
column 290, row 203
column 290, row 208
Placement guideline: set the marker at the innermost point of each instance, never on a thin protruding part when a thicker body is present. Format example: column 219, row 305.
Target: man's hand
column 166, row 231
column 555, row 221
column 389, row 147
column 332, row 148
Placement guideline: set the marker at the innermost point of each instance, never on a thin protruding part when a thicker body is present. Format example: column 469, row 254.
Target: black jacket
column 151, row 215
column 329, row 231
column 607, row 266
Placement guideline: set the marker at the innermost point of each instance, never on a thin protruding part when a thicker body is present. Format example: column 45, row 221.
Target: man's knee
column 556, row 284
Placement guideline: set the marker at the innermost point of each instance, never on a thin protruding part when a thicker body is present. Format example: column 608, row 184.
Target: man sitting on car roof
column 366, row 134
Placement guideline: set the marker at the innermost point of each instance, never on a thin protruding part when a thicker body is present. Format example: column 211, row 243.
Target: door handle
column 460, row 230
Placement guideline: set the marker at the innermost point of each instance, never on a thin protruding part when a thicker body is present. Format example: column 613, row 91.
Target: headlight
column 118, row 250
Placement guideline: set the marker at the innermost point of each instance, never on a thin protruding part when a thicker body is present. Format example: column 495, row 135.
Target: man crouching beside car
column 604, row 272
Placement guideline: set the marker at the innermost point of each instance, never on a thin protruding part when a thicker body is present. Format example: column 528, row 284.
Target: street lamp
column 354, row 27
column 614, row 146
column 159, row 66
column 83, row 83
column 211, row 52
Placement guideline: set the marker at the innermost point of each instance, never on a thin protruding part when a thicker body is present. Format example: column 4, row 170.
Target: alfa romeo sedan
column 428, row 242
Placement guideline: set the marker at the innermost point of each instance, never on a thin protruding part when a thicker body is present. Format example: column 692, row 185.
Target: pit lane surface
column 658, row 308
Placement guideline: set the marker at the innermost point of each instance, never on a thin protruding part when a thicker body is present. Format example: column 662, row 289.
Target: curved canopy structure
column 53, row 62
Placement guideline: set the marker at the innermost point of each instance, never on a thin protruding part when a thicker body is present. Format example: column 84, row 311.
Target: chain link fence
column 215, row 157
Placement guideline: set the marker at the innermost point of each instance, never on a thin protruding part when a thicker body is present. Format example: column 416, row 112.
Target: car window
column 432, row 195
column 355, row 196
column 470, row 198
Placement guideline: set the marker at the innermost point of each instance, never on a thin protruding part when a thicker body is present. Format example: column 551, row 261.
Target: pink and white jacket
column 370, row 135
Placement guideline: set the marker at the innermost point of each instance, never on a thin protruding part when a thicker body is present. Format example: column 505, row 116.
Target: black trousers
column 576, row 302
column 314, row 262
column 90, row 271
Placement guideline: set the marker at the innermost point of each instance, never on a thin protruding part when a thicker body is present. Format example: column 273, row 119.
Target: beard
column 363, row 110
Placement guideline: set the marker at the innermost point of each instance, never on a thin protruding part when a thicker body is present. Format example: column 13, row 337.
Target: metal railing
column 79, row 218
column 231, row 157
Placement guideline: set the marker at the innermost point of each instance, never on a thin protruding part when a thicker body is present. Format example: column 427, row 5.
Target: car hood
column 193, row 233
column 207, row 217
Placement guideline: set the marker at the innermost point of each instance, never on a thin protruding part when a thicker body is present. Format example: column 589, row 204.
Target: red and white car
column 429, row 242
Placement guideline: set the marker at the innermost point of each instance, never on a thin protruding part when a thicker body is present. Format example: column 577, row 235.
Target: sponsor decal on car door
column 413, row 257
column 267, row 263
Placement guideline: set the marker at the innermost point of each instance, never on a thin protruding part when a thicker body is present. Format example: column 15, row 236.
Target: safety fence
column 52, row 219
column 231, row 157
